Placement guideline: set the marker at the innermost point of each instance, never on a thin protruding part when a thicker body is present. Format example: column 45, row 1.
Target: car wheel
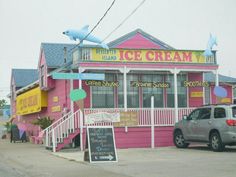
column 179, row 140
column 216, row 143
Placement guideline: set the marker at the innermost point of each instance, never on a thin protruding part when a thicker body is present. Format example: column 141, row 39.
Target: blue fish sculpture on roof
column 210, row 44
column 81, row 34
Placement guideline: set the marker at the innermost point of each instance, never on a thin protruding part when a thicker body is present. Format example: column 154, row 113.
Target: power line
column 95, row 25
column 124, row 20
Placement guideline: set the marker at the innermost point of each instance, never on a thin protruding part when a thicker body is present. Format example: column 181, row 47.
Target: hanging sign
column 101, row 144
column 196, row 84
column 101, row 117
column 78, row 76
column 102, row 83
column 149, row 84
column 196, row 94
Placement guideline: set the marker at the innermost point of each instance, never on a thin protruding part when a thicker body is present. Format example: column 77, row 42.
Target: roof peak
column 131, row 34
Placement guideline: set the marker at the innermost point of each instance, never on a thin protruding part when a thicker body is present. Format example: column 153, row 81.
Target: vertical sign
column 101, row 144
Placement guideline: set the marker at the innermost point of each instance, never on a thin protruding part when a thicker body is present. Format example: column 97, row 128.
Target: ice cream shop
column 148, row 86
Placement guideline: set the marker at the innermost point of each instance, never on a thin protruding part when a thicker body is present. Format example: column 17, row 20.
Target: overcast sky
column 183, row 24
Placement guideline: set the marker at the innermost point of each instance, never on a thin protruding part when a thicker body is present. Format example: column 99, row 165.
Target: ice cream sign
column 150, row 56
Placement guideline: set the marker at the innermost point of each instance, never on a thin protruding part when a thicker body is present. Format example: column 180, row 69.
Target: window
column 149, row 91
column 194, row 115
column 205, row 113
column 182, row 91
column 234, row 111
column 199, row 114
column 219, row 113
column 103, row 97
column 207, row 95
column 132, row 92
column 120, row 91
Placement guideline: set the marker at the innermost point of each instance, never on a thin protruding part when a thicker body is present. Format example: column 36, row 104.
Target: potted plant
column 43, row 122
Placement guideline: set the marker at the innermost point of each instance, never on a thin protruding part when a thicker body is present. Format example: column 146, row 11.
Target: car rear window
column 234, row 111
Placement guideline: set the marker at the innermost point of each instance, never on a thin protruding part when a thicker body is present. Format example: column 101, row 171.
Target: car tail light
column 231, row 122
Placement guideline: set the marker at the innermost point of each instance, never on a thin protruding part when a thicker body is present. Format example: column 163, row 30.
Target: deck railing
column 162, row 116
column 67, row 124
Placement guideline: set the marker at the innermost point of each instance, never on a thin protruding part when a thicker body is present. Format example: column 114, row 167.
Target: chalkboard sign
column 101, row 144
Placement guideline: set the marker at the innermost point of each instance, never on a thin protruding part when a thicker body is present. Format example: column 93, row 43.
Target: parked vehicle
column 214, row 125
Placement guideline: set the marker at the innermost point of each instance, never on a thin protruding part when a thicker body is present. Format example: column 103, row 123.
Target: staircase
column 61, row 132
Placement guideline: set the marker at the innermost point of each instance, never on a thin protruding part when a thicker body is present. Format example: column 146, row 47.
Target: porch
column 137, row 127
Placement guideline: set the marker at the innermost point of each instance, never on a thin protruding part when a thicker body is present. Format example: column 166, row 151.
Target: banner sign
column 151, row 56
column 102, row 117
column 31, row 101
column 196, row 94
column 129, row 119
column 149, row 84
column 102, row 83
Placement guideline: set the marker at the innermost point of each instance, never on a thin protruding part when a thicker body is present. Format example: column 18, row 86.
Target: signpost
column 101, row 144
column 78, row 76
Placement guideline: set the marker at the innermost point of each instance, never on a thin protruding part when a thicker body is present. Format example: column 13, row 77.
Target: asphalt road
column 28, row 160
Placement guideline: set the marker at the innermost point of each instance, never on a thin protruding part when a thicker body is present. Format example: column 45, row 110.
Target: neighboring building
column 136, row 67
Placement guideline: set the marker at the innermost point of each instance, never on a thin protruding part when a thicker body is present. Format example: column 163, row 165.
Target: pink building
column 137, row 66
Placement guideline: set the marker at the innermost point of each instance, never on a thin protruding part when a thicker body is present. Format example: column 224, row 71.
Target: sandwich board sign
column 101, row 144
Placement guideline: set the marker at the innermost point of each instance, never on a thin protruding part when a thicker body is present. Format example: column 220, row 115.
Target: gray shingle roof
column 210, row 77
column 54, row 53
column 24, row 77
column 127, row 36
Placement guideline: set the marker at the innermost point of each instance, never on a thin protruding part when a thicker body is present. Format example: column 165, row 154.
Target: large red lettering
column 129, row 55
column 150, row 55
column 177, row 57
column 187, row 57
column 137, row 55
column 167, row 56
column 121, row 55
column 158, row 56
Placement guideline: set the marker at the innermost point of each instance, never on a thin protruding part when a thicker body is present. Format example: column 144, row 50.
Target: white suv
column 212, row 124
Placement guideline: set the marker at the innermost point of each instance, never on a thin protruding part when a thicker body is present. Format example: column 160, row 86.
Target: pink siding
column 87, row 101
column 62, row 91
column 42, row 59
column 229, row 93
column 195, row 101
column 140, row 137
column 138, row 42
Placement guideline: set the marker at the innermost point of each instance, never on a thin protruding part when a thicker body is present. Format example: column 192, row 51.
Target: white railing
column 66, row 127
column 162, row 116
column 63, row 127
column 58, row 123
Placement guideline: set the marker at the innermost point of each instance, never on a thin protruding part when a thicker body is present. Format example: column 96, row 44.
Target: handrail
column 66, row 115
column 51, row 129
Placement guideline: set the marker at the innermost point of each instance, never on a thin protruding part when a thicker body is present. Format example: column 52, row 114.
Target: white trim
column 203, row 88
column 176, row 93
column 125, row 88
column 152, row 124
column 28, row 87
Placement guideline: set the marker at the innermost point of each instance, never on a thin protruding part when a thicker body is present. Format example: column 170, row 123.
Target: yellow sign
column 102, row 83
column 196, row 94
column 129, row 118
column 196, row 84
column 149, row 84
column 55, row 99
column 151, row 56
column 225, row 100
column 56, row 109
column 31, row 101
